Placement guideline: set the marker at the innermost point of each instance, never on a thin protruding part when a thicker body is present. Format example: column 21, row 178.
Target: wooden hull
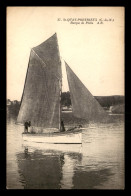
column 69, row 137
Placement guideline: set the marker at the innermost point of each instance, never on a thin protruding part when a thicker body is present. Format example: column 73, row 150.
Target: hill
column 105, row 101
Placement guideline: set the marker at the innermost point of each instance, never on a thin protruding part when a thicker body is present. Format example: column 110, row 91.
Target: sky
column 95, row 52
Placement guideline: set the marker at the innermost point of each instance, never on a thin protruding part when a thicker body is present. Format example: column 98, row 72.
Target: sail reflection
column 47, row 168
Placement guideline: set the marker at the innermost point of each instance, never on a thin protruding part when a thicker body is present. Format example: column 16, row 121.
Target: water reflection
column 90, row 179
column 96, row 164
column 47, row 169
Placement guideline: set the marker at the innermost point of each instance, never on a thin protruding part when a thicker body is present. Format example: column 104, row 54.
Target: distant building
column 110, row 109
column 118, row 109
column 15, row 102
column 8, row 102
column 66, row 108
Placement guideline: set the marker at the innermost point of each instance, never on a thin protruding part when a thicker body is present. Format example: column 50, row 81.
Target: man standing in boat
column 27, row 124
column 26, row 127
column 62, row 129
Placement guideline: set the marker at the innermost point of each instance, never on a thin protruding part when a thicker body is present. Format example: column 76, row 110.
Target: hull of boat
column 55, row 138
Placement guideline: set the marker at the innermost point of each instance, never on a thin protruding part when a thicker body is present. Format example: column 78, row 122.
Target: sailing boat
column 41, row 99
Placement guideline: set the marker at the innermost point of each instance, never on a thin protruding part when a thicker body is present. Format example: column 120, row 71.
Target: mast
column 60, row 83
column 60, row 105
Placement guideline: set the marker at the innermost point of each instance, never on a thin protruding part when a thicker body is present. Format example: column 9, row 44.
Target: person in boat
column 26, row 126
column 29, row 124
column 77, row 127
column 62, row 129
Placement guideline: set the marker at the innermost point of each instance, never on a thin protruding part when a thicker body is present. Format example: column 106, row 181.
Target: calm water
column 96, row 164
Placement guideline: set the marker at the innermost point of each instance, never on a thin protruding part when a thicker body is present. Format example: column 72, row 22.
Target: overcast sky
column 95, row 52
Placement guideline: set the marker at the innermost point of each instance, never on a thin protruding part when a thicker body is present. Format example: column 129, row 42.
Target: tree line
column 104, row 101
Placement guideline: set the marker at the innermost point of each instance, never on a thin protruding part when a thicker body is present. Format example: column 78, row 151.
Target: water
column 96, row 164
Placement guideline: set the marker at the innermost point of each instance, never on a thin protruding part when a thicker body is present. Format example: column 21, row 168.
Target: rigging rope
column 39, row 58
column 59, row 78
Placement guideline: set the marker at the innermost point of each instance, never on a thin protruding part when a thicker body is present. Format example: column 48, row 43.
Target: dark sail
column 84, row 105
column 40, row 102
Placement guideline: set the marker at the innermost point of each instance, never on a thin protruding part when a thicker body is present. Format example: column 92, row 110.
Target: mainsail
column 84, row 105
column 40, row 102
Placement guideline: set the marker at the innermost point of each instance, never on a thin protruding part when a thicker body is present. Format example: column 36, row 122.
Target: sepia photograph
column 65, row 99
